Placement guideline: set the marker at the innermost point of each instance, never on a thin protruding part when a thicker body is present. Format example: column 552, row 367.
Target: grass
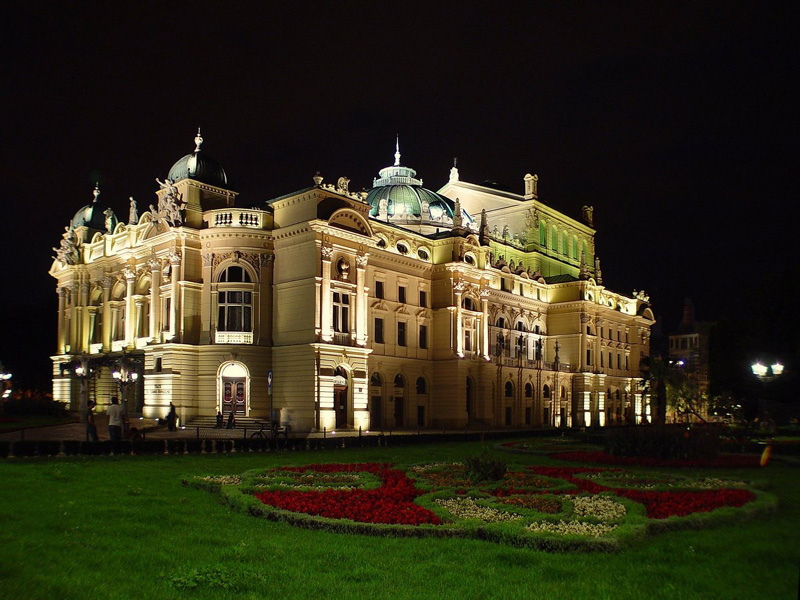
column 122, row 527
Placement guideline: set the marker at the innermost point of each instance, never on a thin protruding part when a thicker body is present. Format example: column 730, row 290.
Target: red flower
column 723, row 462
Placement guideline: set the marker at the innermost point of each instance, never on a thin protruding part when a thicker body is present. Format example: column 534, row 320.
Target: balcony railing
column 236, row 217
column 342, row 338
column 233, row 337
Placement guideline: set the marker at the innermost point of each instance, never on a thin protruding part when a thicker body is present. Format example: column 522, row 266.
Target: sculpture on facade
column 67, row 252
column 133, row 212
column 170, row 204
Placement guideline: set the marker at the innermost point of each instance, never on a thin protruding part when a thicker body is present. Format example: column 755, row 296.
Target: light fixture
column 759, row 370
column 777, row 368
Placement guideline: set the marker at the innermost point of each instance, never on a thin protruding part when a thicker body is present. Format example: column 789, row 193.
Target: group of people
column 231, row 424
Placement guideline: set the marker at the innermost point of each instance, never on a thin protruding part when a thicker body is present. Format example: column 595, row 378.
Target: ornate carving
column 361, row 260
column 154, row 264
column 459, row 287
column 85, row 288
column 343, row 184
column 133, row 212
column 129, row 272
column 588, row 215
column 174, row 258
column 208, row 259
column 640, row 295
column 67, row 252
column 484, row 293
column 109, row 221
column 585, row 318
column 343, row 268
column 326, row 252
column 265, row 260
column 170, row 204
column 107, row 281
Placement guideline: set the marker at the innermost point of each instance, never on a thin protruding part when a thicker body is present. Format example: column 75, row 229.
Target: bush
column 484, row 468
column 24, row 448
column 33, row 403
column 665, row 442
column 176, row 446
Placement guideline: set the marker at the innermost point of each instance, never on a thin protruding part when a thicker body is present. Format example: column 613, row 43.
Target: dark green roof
column 408, row 199
column 200, row 167
column 563, row 278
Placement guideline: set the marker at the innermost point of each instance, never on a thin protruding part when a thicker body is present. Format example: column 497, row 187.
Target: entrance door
column 470, row 400
column 234, row 395
column 399, row 408
column 340, row 397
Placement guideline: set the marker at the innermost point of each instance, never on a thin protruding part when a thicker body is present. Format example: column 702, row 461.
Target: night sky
column 673, row 120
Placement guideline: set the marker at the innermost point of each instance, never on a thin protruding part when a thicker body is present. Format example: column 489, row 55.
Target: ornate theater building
column 398, row 307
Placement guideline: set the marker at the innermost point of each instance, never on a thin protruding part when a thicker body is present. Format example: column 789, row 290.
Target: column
column 458, row 288
column 62, row 333
column 326, row 253
column 73, row 319
column 361, row 300
column 130, row 309
column 487, row 350
column 175, row 262
column 155, row 297
column 141, row 303
column 85, row 324
column 108, row 324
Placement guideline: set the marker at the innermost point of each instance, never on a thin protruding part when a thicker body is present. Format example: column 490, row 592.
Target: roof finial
column 96, row 191
column 397, row 152
column 198, row 139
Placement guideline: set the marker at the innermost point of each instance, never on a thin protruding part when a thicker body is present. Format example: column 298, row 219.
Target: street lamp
column 82, row 371
column 125, row 376
column 767, row 373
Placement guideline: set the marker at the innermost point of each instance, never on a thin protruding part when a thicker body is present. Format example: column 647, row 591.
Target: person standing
column 172, row 417
column 91, row 426
column 115, row 420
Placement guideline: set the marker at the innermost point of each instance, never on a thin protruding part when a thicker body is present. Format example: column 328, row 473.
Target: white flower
column 572, row 528
column 600, row 507
column 467, row 508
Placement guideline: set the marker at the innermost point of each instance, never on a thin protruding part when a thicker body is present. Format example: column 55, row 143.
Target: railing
column 342, row 338
column 235, row 217
column 233, row 337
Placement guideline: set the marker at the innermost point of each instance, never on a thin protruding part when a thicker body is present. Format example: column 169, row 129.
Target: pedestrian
column 172, row 417
column 115, row 420
column 91, row 426
column 219, row 420
column 231, row 421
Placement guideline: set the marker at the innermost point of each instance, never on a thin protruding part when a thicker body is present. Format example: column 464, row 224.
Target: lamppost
column 125, row 374
column 767, row 373
column 83, row 371
column 5, row 385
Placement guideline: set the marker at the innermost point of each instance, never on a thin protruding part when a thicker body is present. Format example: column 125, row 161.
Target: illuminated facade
column 399, row 307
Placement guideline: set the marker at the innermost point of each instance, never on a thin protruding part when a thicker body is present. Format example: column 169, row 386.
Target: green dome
column 405, row 196
column 200, row 167
column 94, row 215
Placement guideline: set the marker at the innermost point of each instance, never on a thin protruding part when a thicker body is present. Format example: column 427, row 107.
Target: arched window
column 422, row 386
column 563, row 392
column 235, row 302
column 501, row 322
column 520, row 326
column 574, row 247
column 376, row 380
column 399, row 382
column 546, row 391
column 528, row 390
column 509, row 389
column 467, row 304
column 554, row 239
column 542, row 234
column 564, row 244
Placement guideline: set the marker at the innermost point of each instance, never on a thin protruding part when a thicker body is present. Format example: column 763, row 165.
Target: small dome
column 404, row 195
column 95, row 215
column 200, row 167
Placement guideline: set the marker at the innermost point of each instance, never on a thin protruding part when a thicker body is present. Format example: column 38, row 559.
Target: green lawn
column 125, row 527
column 17, row 422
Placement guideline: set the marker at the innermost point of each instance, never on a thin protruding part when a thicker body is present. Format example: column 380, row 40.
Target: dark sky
column 672, row 119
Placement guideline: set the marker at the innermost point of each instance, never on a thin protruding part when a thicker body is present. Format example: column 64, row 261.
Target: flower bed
column 729, row 461
column 547, row 507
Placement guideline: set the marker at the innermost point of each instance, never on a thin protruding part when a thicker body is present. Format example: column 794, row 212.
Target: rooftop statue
column 67, row 252
column 170, row 204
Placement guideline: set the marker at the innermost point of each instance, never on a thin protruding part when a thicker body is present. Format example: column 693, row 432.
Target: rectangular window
column 423, row 336
column 619, row 336
column 619, row 361
column 401, row 333
column 378, row 331
column 379, row 289
column 167, row 313
column 341, row 312
column 508, row 415
column 610, row 361
column 601, row 360
column 588, row 358
column 401, row 294
column 627, row 364
column 423, row 298
column 468, row 340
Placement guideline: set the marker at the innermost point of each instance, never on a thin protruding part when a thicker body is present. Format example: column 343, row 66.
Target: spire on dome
column 198, row 140
column 96, row 191
column 397, row 152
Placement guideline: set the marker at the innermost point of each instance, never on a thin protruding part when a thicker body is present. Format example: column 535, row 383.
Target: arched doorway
column 399, row 400
column 234, row 386
column 376, row 401
column 340, row 403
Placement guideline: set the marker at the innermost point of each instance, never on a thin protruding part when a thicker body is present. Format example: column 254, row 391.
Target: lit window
column 234, row 311
column 341, row 312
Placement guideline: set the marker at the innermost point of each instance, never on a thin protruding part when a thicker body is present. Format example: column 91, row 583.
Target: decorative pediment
column 349, row 220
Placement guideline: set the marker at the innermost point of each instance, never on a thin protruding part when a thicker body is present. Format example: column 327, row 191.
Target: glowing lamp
column 777, row 368
column 759, row 370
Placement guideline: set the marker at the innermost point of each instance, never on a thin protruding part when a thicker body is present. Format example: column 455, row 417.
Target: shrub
column 485, row 468
column 665, row 442
column 176, row 446
column 24, row 448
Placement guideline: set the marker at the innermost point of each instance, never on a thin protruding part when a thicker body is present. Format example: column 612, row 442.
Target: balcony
column 233, row 337
column 342, row 338
column 235, row 217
